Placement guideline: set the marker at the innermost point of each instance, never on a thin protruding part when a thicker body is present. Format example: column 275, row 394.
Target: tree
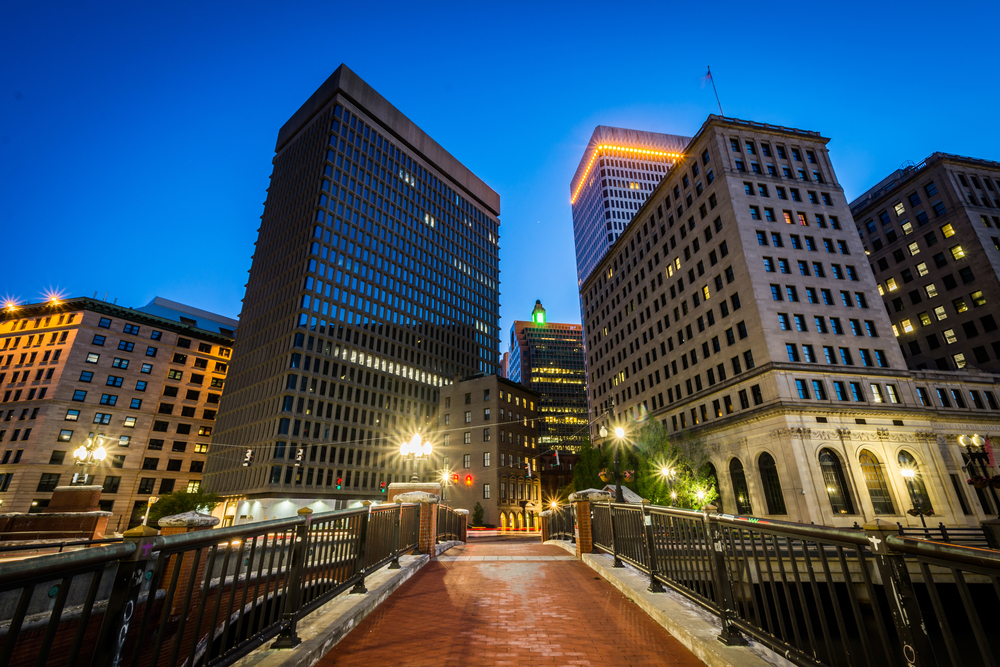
column 587, row 468
column 178, row 502
column 685, row 457
column 477, row 515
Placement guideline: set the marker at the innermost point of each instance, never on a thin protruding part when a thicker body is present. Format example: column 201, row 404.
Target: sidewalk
column 528, row 604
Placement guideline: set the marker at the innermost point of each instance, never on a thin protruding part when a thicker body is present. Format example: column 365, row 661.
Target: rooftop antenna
column 106, row 295
column 95, row 294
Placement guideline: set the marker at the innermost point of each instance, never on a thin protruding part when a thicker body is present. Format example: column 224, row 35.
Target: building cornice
column 48, row 308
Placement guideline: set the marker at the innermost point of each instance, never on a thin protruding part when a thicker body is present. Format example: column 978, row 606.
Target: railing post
column 991, row 530
column 288, row 638
column 394, row 565
column 906, row 616
column 124, row 597
column 730, row 635
column 654, row 584
column 614, row 547
column 359, row 568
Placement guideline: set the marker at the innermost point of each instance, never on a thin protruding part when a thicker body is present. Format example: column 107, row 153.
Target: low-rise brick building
column 488, row 439
column 146, row 381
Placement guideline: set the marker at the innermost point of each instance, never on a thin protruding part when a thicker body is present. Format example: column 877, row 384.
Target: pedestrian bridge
column 401, row 582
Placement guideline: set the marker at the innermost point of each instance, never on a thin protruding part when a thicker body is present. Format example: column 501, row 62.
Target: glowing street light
column 91, row 452
column 415, row 449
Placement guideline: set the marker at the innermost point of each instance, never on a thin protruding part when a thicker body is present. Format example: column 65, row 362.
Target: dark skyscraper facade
column 374, row 282
column 548, row 357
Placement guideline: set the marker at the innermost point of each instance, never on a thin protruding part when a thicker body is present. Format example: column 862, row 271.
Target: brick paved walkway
column 541, row 607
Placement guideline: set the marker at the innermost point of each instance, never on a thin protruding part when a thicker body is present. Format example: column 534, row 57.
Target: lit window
column 898, row 207
column 948, row 230
column 931, row 291
column 949, row 336
column 891, row 284
column 890, row 390
column 978, row 299
column 877, row 393
column 895, row 331
column 129, row 422
column 940, row 314
column 914, row 249
column 959, row 360
column 907, row 326
column 957, row 252
column 925, row 319
column 922, row 269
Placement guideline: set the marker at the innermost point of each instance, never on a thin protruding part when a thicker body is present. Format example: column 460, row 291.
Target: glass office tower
column 374, row 282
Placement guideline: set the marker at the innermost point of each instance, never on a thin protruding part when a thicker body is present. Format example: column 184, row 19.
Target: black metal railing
column 59, row 547
column 562, row 523
column 202, row 598
column 819, row 596
column 449, row 524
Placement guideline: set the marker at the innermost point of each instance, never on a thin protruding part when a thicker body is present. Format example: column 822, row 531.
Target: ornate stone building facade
column 739, row 309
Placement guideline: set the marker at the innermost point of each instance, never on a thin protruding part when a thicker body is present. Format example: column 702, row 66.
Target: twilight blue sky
column 136, row 138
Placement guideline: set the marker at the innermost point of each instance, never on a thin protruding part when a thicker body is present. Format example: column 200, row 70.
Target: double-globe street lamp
column 91, row 452
column 415, row 449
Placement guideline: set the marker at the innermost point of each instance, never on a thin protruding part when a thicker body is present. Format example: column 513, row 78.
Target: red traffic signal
column 468, row 480
column 339, row 482
column 381, row 487
column 454, row 478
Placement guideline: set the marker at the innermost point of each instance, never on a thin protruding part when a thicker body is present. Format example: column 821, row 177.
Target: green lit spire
column 538, row 314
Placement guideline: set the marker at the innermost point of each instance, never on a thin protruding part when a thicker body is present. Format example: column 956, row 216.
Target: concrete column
column 188, row 522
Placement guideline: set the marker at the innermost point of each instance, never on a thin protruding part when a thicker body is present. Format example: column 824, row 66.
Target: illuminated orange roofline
column 640, row 151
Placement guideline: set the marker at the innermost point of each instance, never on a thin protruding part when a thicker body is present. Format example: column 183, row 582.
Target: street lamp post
column 90, row 453
column 669, row 473
column 918, row 502
column 619, row 435
column 149, row 504
column 415, row 449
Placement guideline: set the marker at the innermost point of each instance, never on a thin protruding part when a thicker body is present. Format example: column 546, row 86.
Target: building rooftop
column 189, row 315
column 177, row 317
column 908, row 171
column 395, row 123
column 618, row 137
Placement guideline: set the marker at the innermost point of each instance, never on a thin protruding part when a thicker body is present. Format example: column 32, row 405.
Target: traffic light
column 381, row 487
column 468, row 480
column 248, row 458
column 339, row 482
column 454, row 478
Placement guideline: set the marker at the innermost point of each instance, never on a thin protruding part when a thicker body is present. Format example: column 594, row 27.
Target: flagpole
column 712, row 79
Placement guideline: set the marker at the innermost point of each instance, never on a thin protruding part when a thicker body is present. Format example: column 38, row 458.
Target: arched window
column 875, row 481
column 740, row 489
column 714, row 476
column 836, row 487
column 772, row 485
column 915, row 484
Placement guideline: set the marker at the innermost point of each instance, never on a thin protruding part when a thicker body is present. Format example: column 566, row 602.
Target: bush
column 477, row 515
column 179, row 502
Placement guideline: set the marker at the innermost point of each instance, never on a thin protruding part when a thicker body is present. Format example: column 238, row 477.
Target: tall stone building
column 618, row 171
column 548, row 358
column 739, row 310
column 932, row 232
column 374, row 281
column 146, row 381
column 487, row 435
